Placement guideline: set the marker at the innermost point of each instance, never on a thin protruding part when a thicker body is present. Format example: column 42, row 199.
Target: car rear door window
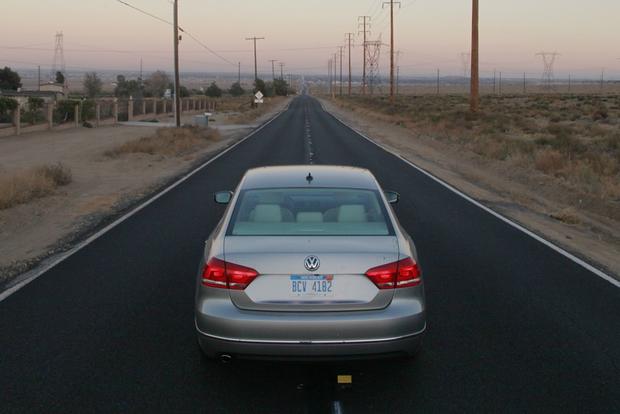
column 310, row 211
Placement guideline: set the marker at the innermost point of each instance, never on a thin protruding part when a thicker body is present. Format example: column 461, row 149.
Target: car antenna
column 309, row 178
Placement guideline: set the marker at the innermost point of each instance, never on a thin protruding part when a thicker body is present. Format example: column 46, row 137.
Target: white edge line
column 517, row 226
column 34, row 274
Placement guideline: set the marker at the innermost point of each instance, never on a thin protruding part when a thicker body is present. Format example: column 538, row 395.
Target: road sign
column 259, row 97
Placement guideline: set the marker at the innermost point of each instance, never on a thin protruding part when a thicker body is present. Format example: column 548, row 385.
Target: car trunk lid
column 285, row 283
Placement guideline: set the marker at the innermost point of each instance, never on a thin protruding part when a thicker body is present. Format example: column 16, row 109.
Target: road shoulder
column 35, row 234
column 594, row 239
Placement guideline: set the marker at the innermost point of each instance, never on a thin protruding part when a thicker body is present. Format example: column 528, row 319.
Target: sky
column 432, row 34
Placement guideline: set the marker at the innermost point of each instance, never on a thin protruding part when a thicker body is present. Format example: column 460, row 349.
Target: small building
column 59, row 89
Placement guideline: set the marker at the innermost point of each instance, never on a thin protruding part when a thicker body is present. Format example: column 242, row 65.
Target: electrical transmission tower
column 549, row 59
column 364, row 25
column 373, row 55
column 59, row 57
column 466, row 63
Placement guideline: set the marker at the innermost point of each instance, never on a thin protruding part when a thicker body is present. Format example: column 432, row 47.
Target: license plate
column 312, row 285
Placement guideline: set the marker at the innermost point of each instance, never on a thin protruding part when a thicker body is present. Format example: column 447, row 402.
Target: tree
column 60, row 78
column 213, row 91
column 269, row 90
column 9, row 79
column 236, row 89
column 125, row 88
column 184, row 92
column 259, row 85
column 156, row 84
column 92, row 84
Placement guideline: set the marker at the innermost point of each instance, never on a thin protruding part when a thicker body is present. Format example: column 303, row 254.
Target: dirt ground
column 101, row 187
column 528, row 197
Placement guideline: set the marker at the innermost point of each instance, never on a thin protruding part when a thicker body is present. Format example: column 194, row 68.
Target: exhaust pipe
column 225, row 358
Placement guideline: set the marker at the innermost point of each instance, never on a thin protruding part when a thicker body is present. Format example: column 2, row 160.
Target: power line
column 191, row 36
column 145, row 12
column 207, row 48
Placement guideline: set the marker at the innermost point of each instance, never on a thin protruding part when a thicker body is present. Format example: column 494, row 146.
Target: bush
column 549, row 161
column 7, row 106
column 88, row 109
column 64, row 111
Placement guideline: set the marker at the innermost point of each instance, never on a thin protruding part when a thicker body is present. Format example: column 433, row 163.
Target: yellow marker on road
column 345, row 379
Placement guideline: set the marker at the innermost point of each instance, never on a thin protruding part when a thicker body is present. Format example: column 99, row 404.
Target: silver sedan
column 309, row 262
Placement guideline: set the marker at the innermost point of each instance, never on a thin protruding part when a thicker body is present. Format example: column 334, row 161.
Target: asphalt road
column 512, row 325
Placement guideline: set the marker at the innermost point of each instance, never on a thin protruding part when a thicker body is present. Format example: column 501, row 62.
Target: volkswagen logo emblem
column 312, row 263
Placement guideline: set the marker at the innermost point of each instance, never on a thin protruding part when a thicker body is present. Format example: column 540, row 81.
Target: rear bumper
column 214, row 347
column 223, row 328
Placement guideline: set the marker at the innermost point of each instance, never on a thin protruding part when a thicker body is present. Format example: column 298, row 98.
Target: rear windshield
column 309, row 211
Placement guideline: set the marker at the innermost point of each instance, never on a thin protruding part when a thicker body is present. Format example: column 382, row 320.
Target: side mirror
column 392, row 197
column 223, row 197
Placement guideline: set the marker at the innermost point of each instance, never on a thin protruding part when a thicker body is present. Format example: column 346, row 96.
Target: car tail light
column 223, row 275
column 401, row 274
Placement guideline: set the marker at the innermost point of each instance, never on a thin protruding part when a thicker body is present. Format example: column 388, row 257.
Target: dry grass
column 247, row 114
column 22, row 187
column 573, row 138
column 567, row 215
column 549, row 161
column 168, row 142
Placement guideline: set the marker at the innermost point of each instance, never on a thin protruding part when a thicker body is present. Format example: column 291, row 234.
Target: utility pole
column 602, row 79
column 494, row 80
column 474, row 99
column 500, row 82
column 329, row 75
column 239, row 75
column 341, row 51
column 349, row 40
column 437, row 81
column 255, row 59
column 332, row 76
column 177, row 77
column 365, row 31
column 398, row 53
column 335, row 72
column 273, row 68
column 39, row 87
column 391, row 3
column 524, row 84
column 281, row 70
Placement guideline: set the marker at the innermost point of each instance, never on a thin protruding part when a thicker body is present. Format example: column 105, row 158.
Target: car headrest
column 352, row 213
column 267, row 213
column 310, row 217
